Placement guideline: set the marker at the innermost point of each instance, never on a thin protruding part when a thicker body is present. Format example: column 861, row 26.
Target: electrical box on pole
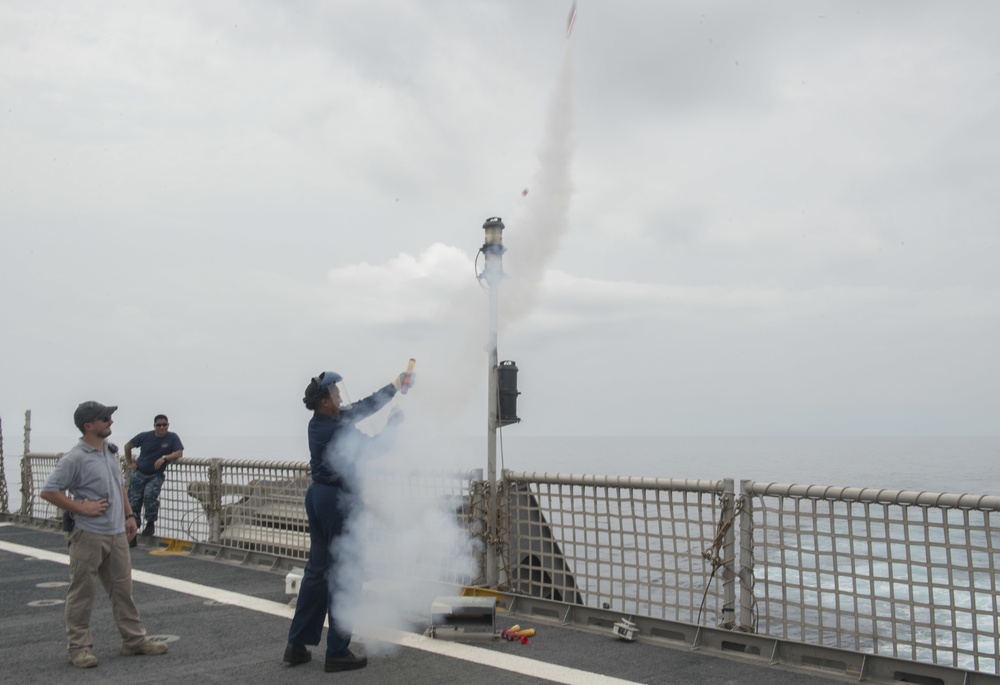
column 507, row 390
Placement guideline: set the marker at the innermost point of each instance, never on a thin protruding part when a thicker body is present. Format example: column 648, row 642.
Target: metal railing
column 256, row 508
column 894, row 573
column 899, row 573
column 4, row 501
column 641, row 546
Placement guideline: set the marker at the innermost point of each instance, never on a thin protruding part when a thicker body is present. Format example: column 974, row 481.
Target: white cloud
column 404, row 288
column 767, row 218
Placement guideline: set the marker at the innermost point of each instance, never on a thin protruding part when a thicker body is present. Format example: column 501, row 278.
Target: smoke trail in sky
column 532, row 238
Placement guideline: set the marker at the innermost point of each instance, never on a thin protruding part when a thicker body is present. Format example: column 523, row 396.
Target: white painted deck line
column 454, row 650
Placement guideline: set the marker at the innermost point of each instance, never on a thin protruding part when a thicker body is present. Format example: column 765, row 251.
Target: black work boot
column 296, row 654
column 347, row 662
column 149, row 530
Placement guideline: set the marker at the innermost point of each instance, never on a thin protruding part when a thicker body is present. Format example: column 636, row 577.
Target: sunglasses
column 160, row 425
column 105, row 419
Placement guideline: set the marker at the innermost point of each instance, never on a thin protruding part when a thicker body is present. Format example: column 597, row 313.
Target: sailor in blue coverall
column 335, row 446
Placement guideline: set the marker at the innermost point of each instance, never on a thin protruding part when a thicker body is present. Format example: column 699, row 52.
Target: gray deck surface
column 223, row 643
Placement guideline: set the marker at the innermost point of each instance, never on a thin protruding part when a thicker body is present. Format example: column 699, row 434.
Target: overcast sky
column 742, row 218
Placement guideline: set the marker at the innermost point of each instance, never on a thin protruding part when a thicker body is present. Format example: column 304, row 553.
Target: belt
column 339, row 483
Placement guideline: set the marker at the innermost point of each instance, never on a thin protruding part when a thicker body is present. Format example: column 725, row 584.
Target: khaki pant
column 104, row 557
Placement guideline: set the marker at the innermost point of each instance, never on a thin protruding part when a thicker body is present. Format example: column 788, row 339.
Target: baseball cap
column 90, row 411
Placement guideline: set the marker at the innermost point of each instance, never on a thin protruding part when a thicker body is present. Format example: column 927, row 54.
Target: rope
column 494, row 535
column 714, row 553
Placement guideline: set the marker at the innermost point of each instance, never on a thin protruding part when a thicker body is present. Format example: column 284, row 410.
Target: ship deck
column 227, row 622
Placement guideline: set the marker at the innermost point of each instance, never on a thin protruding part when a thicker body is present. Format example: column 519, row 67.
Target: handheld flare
column 406, row 380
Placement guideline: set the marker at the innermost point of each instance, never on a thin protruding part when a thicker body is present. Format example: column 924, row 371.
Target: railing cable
column 713, row 554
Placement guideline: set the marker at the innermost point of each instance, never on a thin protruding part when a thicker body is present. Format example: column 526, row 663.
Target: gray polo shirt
column 92, row 474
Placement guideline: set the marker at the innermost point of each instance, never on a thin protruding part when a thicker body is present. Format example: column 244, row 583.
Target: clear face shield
column 334, row 383
column 345, row 397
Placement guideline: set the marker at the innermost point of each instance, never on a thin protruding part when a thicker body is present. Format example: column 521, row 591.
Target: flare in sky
column 572, row 18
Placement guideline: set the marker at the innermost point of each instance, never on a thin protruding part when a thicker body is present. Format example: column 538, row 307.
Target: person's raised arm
column 378, row 399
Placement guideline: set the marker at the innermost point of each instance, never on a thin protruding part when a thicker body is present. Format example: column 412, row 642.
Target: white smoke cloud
column 413, row 537
column 407, row 544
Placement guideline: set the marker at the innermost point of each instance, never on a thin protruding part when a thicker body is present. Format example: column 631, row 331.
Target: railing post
column 478, row 522
column 747, row 622
column 27, row 494
column 3, row 476
column 729, row 574
column 502, row 537
column 215, row 501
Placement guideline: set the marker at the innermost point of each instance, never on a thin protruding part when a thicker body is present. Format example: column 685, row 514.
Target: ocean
column 937, row 464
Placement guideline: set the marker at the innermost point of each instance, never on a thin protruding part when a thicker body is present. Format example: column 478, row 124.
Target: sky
column 741, row 218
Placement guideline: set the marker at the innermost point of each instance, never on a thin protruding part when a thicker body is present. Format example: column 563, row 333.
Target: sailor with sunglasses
column 157, row 449
column 100, row 526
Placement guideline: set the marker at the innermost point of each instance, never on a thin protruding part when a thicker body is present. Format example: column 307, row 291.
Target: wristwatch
column 129, row 516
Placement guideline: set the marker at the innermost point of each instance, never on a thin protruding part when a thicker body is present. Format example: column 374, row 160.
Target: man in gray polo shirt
column 103, row 523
